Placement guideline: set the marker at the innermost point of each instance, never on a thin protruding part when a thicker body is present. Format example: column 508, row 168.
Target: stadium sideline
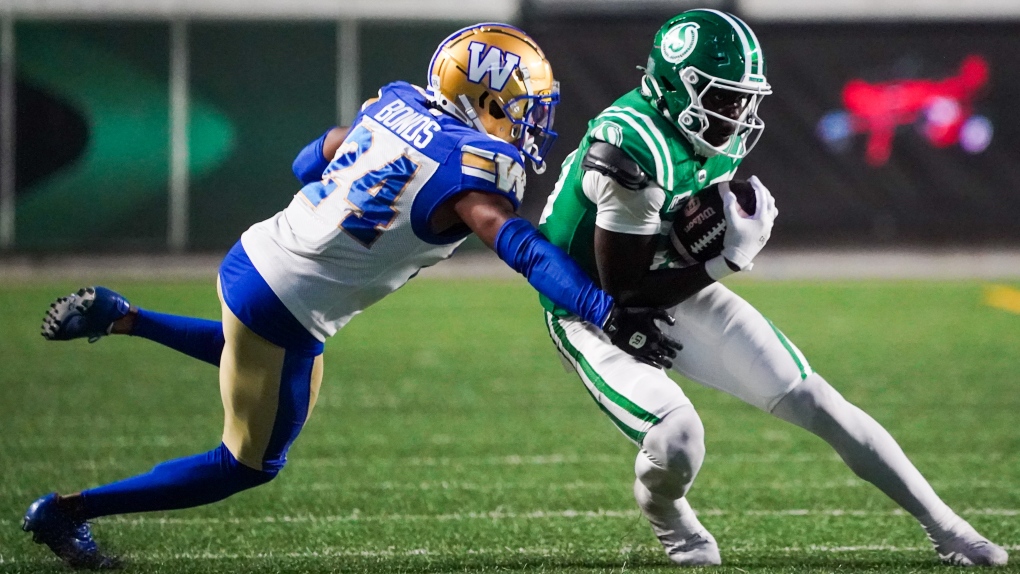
column 1001, row 264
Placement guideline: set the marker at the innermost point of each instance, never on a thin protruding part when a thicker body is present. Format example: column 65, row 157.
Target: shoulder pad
column 612, row 161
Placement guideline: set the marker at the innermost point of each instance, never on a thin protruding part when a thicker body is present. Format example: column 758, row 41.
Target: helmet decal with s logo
column 706, row 73
column 679, row 42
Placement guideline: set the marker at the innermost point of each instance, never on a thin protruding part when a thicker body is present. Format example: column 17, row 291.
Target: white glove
column 745, row 236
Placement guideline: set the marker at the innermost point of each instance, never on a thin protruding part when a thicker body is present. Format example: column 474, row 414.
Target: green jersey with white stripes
column 634, row 125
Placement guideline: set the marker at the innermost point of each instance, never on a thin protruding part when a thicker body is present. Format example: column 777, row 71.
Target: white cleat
column 699, row 549
column 970, row 549
column 686, row 541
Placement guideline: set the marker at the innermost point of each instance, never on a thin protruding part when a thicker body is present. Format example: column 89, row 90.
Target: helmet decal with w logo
column 495, row 78
column 496, row 63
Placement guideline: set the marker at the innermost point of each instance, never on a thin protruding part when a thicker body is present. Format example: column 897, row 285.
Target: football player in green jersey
column 693, row 119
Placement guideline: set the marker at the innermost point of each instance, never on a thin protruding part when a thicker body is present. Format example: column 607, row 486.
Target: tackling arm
column 551, row 271
column 554, row 274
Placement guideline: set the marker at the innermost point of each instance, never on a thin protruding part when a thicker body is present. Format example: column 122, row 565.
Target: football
column 698, row 230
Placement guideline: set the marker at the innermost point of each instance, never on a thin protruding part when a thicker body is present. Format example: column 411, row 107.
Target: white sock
column 668, row 514
column 944, row 526
column 866, row 447
column 665, row 468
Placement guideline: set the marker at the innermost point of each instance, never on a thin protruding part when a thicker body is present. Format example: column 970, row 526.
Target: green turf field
column 449, row 438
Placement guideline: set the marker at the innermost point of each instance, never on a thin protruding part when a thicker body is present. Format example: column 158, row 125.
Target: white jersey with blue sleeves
column 361, row 232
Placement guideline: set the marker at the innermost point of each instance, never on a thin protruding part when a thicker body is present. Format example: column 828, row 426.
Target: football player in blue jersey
column 416, row 173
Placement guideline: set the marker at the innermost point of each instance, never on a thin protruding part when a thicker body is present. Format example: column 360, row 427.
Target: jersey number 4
column 372, row 195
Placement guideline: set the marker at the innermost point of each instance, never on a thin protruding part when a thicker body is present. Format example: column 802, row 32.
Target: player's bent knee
column 678, row 440
column 240, row 476
column 672, row 453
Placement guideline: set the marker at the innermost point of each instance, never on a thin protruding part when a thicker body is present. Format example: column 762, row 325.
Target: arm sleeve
column 310, row 163
column 623, row 210
column 551, row 271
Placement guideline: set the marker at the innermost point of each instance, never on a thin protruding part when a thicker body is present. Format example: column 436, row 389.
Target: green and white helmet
column 700, row 51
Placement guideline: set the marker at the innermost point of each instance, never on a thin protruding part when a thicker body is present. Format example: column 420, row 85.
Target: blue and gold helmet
column 702, row 55
column 495, row 78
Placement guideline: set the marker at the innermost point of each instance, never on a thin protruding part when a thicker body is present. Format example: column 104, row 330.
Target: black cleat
column 88, row 313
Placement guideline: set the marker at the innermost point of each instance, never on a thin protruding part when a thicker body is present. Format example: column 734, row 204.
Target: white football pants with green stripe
column 730, row 346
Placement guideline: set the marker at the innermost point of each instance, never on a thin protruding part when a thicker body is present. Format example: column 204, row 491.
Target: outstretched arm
column 554, row 274
column 546, row 266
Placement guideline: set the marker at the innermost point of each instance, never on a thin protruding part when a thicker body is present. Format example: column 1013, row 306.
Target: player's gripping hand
column 747, row 235
column 633, row 330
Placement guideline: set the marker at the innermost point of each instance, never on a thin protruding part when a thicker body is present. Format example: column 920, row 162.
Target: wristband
column 718, row 267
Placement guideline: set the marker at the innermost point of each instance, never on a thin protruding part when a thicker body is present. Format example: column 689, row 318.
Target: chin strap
column 472, row 115
column 537, row 166
column 650, row 89
column 702, row 148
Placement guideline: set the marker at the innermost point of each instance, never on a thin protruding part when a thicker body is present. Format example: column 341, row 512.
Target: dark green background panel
column 114, row 76
column 276, row 82
column 399, row 51
column 259, row 92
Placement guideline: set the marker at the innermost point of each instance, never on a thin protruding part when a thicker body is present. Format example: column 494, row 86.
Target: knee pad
column 672, row 453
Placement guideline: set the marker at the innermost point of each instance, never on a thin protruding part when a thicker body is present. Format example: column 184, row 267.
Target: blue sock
column 198, row 338
column 181, row 483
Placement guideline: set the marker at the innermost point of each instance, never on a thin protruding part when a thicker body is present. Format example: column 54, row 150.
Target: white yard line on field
column 504, row 487
column 990, row 264
column 471, row 460
column 415, row 461
column 357, row 516
column 528, row 552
